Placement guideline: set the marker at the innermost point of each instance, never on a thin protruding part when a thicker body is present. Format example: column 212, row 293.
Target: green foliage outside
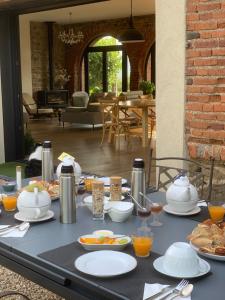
column 114, row 66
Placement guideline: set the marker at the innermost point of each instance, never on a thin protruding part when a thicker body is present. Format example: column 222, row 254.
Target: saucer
column 194, row 211
column 204, row 266
column 18, row 216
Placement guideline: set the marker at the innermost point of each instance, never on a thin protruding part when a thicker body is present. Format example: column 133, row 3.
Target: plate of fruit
column 104, row 242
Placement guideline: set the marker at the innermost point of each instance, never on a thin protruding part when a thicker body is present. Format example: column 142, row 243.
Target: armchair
column 32, row 109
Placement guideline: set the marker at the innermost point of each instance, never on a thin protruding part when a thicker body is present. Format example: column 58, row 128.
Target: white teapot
column 181, row 195
column 33, row 203
column 76, row 168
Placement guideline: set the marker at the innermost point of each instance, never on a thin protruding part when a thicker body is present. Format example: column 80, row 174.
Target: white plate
column 18, row 216
column 194, row 211
column 208, row 255
column 106, row 180
column 105, row 263
column 204, row 266
column 116, row 247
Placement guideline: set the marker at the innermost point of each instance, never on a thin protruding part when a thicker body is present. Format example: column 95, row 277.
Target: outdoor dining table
column 46, row 254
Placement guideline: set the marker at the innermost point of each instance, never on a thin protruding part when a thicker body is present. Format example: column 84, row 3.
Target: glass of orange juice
column 216, row 210
column 9, row 202
column 88, row 183
column 142, row 242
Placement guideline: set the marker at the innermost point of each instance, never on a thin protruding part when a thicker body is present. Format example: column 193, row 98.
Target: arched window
column 106, row 67
column 150, row 65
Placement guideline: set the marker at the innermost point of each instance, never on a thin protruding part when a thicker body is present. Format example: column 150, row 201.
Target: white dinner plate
column 194, row 211
column 18, row 216
column 208, row 255
column 105, row 263
column 94, row 247
column 106, row 180
column 204, row 268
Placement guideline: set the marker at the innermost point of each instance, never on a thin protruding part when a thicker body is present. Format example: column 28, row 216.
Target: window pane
column 114, row 71
column 95, row 72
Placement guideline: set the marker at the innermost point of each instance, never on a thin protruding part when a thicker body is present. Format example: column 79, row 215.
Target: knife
column 163, row 292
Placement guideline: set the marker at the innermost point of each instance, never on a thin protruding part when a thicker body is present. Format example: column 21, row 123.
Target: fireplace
column 53, row 98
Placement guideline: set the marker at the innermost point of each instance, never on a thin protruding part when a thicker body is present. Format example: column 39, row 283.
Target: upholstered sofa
column 82, row 111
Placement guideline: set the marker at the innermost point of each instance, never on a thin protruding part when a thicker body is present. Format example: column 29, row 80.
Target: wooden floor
column 84, row 144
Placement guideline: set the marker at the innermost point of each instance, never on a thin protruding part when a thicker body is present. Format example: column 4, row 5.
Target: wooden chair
column 111, row 120
column 166, row 170
column 32, row 109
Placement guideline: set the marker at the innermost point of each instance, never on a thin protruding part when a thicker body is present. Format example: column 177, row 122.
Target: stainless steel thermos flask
column 138, row 182
column 47, row 162
column 67, row 195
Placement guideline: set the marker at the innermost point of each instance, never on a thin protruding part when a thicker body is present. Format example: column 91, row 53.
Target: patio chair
column 32, row 109
column 6, row 294
column 166, row 169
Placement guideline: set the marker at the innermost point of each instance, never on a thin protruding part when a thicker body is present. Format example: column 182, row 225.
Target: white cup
column 181, row 260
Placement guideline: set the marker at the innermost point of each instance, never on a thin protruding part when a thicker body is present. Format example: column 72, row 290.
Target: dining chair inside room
column 111, row 121
column 165, row 169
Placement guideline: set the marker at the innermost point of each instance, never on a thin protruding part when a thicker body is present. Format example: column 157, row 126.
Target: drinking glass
column 142, row 241
column 98, row 200
column 144, row 213
column 115, row 188
column 9, row 202
column 216, row 210
column 156, row 210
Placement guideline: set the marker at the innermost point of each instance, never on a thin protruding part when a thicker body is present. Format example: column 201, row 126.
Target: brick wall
column 137, row 52
column 205, row 74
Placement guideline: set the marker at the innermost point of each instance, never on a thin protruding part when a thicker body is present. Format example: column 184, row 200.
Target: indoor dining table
column 46, row 255
column 144, row 105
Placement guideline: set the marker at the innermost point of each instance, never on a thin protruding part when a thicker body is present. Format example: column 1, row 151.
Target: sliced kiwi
column 122, row 241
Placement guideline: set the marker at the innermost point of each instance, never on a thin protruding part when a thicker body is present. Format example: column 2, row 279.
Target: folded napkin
column 152, row 289
column 14, row 233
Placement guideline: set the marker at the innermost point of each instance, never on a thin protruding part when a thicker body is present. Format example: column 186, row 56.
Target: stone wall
column 71, row 57
column 39, row 55
column 205, row 90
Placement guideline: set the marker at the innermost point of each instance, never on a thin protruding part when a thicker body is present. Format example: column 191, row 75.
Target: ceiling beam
column 30, row 6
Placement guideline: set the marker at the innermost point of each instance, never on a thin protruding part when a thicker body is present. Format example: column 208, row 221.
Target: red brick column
column 205, row 74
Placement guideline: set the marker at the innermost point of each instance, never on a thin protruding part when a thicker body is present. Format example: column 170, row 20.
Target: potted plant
column 147, row 87
column 61, row 77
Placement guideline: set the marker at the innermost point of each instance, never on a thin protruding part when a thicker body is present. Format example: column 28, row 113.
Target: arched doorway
column 106, row 67
column 150, row 65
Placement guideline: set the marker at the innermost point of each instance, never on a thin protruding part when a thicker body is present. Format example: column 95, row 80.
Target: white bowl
column 181, row 260
column 120, row 206
column 119, row 216
column 182, row 206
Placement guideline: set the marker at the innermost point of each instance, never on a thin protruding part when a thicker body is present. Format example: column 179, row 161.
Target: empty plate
column 18, row 216
column 105, row 263
column 194, row 211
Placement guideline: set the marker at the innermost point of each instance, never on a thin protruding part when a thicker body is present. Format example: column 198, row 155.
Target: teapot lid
column 182, row 180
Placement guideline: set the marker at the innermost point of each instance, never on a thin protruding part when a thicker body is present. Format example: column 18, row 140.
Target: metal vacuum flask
column 138, row 183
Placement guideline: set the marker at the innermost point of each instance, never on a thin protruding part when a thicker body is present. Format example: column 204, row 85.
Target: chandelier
column 68, row 36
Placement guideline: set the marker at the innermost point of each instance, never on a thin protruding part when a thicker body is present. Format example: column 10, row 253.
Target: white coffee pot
column 33, row 204
column 76, row 168
column 181, row 195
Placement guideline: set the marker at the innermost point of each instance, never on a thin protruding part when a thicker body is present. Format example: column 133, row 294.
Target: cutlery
column 21, row 227
column 138, row 204
column 145, row 197
column 164, row 290
column 185, row 292
column 177, row 289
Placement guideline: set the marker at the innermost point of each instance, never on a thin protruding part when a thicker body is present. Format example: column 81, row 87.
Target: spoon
column 145, row 197
column 138, row 204
column 185, row 292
